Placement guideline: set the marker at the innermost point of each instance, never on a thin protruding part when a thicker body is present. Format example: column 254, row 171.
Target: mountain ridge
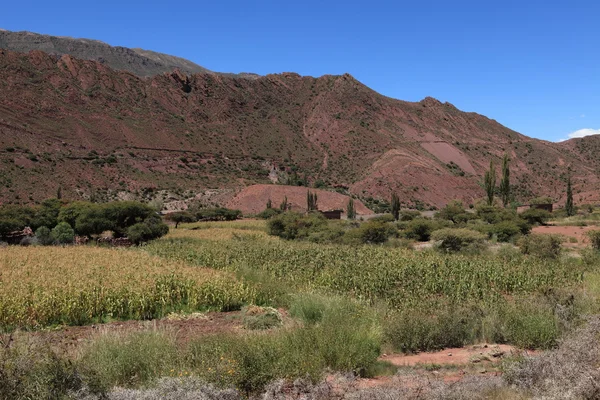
column 92, row 128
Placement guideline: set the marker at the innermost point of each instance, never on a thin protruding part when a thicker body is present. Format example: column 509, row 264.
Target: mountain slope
column 85, row 127
column 137, row 61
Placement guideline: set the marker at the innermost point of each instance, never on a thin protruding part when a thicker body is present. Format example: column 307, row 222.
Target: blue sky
column 531, row 65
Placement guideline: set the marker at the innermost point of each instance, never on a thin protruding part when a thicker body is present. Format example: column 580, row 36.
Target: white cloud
column 582, row 133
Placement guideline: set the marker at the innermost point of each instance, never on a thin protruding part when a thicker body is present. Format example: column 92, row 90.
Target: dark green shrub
column 541, row 245
column 284, row 225
column 218, row 214
column 63, row 233
column 15, row 218
column 409, row 215
column 291, row 225
column 453, row 240
column 494, row 215
column 269, row 213
column 47, row 214
column 43, row 235
column 536, row 216
column 455, row 212
column 420, row 229
column 150, row 229
column 371, row 232
column 180, row 217
column 504, row 231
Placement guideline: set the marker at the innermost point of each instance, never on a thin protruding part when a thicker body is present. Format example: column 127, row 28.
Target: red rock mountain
column 94, row 131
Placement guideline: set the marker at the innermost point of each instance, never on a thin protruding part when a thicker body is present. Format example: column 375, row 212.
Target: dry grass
column 74, row 285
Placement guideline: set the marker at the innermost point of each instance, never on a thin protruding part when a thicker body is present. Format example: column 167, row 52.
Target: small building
column 547, row 207
column 332, row 214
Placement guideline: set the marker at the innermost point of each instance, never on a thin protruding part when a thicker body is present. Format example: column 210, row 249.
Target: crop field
column 41, row 286
column 343, row 305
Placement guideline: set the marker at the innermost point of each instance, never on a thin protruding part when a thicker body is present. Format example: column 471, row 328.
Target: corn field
column 372, row 273
column 42, row 286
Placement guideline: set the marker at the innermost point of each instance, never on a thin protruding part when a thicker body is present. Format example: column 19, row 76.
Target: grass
column 249, row 361
column 345, row 303
column 77, row 285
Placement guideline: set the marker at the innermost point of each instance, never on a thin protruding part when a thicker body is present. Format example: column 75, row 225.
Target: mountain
column 137, row 61
column 95, row 131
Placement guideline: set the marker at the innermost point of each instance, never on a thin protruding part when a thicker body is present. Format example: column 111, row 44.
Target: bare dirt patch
column 185, row 327
column 253, row 199
column 577, row 232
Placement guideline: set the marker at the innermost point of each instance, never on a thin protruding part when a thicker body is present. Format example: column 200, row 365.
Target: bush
column 414, row 330
column 455, row 212
column 374, row 232
column 63, row 233
column 594, row 237
column 420, row 229
column 218, row 214
column 291, row 225
column 30, row 370
column 261, row 318
column 129, row 360
column 536, row 216
column 409, row 215
column 504, row 231
column 43, row 235
column 150, row 229
column 541, row 245
column 180, row 217
column 453, row 240
column 269, row 213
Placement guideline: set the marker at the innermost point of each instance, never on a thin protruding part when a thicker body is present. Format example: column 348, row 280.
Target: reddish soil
column 68, row 339
column 253, row 199
column 82, row 126
column 455, row 356
column 577, row 232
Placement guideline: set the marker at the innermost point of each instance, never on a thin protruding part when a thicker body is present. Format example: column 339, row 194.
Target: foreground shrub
column 541, row 245
column 31, row 370
column 570, row 372
column 129, row 360
column 594, row 237
column 425, row 329
column 453, row 240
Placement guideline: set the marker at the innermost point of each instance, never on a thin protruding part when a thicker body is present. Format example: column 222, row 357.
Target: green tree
column 350, row 210
column 180, row 217
column 569, row 207
column 269, row 204
column 44, row 236
column 489, row 183
column 505, row 182
column 284, row 206
column 311, row 201
column 395, row 206
column 63, row 233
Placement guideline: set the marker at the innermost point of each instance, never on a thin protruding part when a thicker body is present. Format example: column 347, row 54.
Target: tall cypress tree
column 350, row 210
column 395, row 206
column 489, row 183
column 569, row 207
column 505, row 182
